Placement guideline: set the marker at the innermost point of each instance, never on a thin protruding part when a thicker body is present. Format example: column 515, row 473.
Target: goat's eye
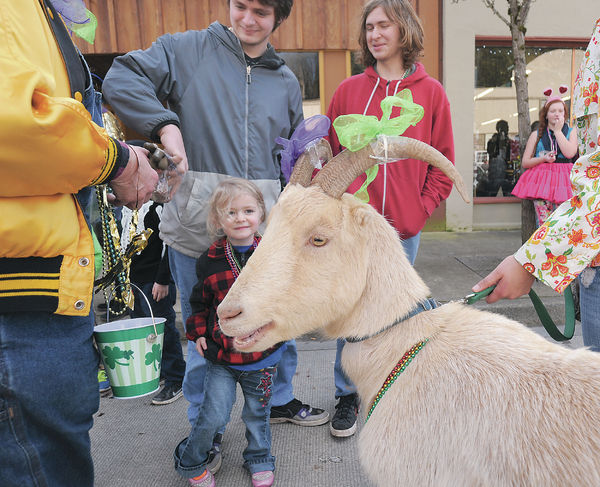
column 318, row 241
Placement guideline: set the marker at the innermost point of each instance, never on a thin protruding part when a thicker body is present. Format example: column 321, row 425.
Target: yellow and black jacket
column 49, row 150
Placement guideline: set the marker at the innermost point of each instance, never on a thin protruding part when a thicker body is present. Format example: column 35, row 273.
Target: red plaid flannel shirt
column 215, row 277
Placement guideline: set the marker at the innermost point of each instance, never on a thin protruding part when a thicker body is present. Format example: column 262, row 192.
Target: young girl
column 546, row 180
column 236, row 209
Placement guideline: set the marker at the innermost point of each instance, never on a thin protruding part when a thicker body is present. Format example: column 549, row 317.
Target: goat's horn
column 303, row 170
column 345, row 167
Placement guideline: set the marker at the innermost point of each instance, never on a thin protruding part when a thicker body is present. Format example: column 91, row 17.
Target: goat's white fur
column 486, row 402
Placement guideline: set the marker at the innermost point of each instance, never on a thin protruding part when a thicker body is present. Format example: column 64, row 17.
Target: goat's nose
column 225, row 312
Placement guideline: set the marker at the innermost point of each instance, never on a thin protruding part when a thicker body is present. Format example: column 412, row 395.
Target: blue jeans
column 283, row 390
column 411, row 247
column 172, row 366
column 343, row 385
column 589, row 301
column 183, row 269
column 191, row 455
column 48, row 396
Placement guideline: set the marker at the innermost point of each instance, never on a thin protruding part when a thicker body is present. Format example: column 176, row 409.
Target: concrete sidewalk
column 133, row 441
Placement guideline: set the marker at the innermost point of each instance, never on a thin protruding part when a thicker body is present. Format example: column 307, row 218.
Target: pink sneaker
column 205, row 480
column 263, row 479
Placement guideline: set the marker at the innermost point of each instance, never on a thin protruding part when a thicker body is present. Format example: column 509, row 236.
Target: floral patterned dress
column 569, row 241
column 585, row 96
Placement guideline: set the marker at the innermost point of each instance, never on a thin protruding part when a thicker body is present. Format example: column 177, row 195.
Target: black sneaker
column 343, row 423
column 215, row 458
column 168, row 394
column 298, row 413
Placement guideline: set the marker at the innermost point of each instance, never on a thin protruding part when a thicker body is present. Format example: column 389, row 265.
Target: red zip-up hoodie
column 406, row 192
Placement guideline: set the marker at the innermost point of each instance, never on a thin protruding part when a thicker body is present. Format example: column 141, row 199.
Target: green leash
column 541, row 311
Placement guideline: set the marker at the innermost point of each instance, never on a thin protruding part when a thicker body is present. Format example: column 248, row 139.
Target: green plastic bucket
column 132, row 351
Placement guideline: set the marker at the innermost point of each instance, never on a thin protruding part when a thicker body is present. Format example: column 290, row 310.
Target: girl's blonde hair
column 223, row 195
column 402, row 14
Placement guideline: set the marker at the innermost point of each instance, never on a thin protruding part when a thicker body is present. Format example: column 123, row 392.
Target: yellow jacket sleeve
column 49, row 144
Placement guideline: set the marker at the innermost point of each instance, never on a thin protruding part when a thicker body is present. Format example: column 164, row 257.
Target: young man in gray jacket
column 228, row 95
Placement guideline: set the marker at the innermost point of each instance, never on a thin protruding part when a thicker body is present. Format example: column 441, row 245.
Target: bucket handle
column 150, row 338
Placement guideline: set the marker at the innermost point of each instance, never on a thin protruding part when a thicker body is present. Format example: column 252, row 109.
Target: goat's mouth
column 244, row 342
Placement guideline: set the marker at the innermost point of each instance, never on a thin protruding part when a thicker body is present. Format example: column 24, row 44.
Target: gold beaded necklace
column 231, row 258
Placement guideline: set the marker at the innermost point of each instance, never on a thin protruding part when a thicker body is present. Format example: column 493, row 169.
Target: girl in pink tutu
column 548, row 158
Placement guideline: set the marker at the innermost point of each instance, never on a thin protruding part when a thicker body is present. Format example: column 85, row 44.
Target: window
column 357, row 66
column 305, row 65
column 496, row 119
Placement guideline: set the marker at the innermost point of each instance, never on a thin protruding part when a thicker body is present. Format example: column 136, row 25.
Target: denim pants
column 220, row 382
column 183, row 269
column 48, row 396
column 343, row 385
column 589, row 301
column 172, row 366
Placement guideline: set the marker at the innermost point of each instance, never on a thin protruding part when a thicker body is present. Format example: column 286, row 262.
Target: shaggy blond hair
column 223, row 195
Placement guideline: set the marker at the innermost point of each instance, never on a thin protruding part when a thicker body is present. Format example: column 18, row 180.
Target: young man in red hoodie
column 406, row 192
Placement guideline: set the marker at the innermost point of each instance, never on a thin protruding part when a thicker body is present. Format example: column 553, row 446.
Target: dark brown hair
column 400, row 13
column 282, row 9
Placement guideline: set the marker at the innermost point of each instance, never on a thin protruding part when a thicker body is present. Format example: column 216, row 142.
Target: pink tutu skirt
column 545, row 181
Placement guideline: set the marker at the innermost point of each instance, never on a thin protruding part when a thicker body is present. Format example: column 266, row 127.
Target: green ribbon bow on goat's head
column 357, row 131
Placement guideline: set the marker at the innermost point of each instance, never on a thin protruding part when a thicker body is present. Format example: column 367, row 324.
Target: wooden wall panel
column 106, row 34
column 150, row 21
column 127, row 24
column 124, row 25
column 353, row 15
column 174, row 17
column 333, row 69
column 218, row 10
column 313, row 25
column 289, row 33
column 333, row 24
column 431, row 19
column 197, row 15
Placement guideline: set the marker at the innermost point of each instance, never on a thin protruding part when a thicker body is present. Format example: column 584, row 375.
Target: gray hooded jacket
column 229, row 115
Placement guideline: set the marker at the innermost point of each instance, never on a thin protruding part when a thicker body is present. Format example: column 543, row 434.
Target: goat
column 484, row 401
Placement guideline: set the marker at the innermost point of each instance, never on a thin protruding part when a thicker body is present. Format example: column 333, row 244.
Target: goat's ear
column 361, row 215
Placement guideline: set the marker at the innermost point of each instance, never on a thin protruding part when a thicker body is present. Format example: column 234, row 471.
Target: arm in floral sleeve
column 570, row 239
column 585, row 106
